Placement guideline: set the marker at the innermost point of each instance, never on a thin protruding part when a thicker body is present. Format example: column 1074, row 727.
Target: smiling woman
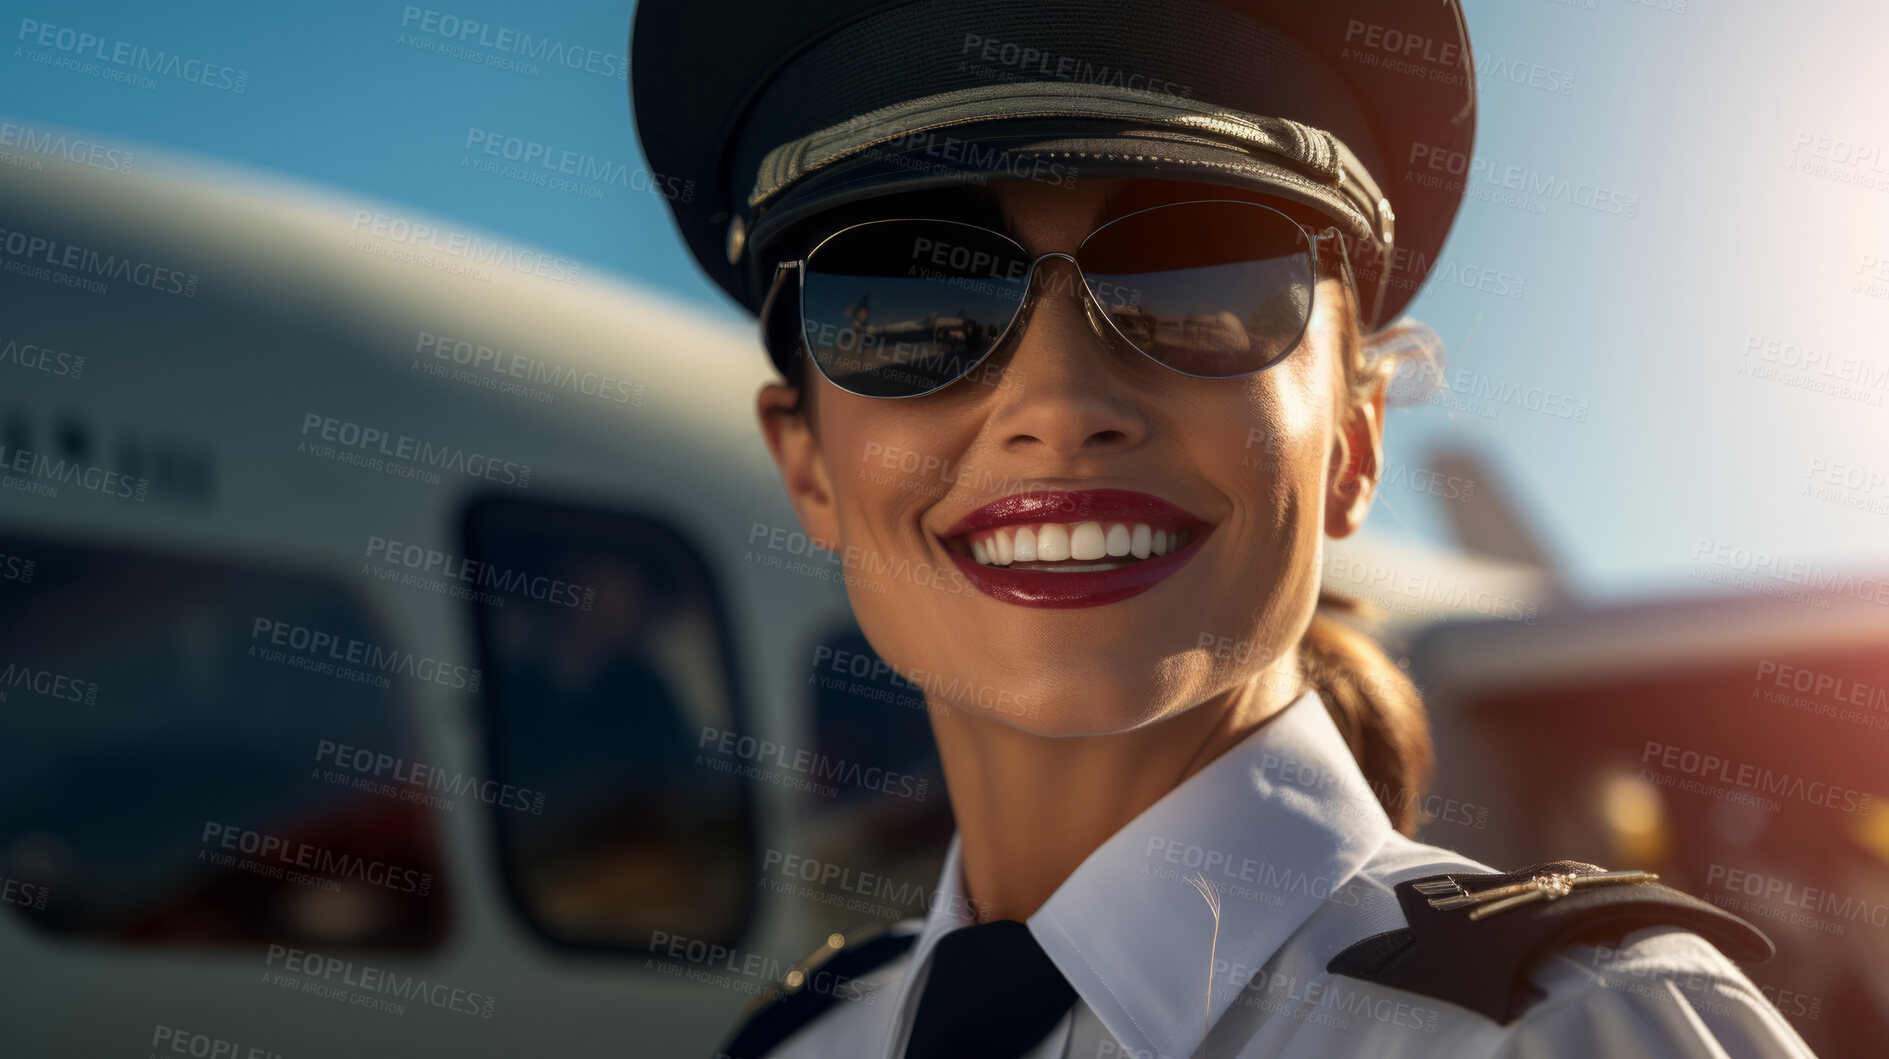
column 1131, row 397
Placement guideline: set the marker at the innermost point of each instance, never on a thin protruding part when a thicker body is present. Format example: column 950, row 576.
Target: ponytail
column 1376, row 707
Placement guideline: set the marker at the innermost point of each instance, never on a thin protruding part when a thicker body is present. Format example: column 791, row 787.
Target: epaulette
column 1472, row 939
column 777, row 1014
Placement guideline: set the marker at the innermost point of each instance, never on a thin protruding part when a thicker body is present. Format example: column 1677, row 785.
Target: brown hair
column 1376, row 707
column 1374, row 703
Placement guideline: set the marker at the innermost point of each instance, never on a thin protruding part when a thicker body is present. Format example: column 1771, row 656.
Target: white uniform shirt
column 1303, row 860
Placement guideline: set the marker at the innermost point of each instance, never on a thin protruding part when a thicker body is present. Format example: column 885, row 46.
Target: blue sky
column 1681, row 366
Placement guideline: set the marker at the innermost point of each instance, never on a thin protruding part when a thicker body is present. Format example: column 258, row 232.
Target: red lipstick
column 1055, row 588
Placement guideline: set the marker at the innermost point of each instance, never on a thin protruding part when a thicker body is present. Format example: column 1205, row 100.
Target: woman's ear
column 1357, row 463
column 796, row 449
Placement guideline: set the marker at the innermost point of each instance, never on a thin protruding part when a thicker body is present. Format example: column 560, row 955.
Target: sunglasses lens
column 1211, row 289
column 901, row 308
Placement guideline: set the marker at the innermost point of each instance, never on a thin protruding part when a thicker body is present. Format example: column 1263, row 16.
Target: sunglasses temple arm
column 766, row 315
column 1371, row 322
column 1383, row 285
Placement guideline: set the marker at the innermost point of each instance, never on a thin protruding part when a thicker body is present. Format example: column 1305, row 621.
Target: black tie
column 993, row 992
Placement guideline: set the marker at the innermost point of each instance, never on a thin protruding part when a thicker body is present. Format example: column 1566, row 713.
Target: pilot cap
column 772, row 113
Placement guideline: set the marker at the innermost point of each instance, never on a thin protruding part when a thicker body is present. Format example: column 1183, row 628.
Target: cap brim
column 977, row 160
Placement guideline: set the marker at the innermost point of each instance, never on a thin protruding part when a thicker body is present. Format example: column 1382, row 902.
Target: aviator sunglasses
column 1212, row 289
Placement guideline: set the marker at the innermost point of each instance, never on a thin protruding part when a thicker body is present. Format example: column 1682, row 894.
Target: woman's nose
column 1064, row 389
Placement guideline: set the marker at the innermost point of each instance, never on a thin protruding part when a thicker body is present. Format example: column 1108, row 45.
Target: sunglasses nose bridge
column 1033, row 277
column 1071, row 281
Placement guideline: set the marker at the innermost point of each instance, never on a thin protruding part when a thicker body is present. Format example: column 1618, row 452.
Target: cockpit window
column 599, row 702
column 179, row 742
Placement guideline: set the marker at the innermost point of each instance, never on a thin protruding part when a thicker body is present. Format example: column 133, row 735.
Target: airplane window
column 169, row 727
column 600, row 688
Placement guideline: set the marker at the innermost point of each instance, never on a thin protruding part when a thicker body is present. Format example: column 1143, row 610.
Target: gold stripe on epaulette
column 797, row 976
column 1546, row 887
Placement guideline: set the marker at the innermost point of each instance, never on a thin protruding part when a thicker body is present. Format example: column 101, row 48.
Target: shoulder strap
column 786, row 1010
column 1472, row 939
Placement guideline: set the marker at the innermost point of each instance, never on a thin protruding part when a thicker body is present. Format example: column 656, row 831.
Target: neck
column 1030, row 808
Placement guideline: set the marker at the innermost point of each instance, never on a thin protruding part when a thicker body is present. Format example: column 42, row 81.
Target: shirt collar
column 1271, row 827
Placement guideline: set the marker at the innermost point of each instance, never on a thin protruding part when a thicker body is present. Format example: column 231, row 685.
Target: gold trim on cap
column 1337, row 177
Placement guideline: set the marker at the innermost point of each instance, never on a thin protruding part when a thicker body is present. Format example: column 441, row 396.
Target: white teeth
column 1087, row 541
column 1052, row 543
column 1025, row 551
column 1072, row 544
